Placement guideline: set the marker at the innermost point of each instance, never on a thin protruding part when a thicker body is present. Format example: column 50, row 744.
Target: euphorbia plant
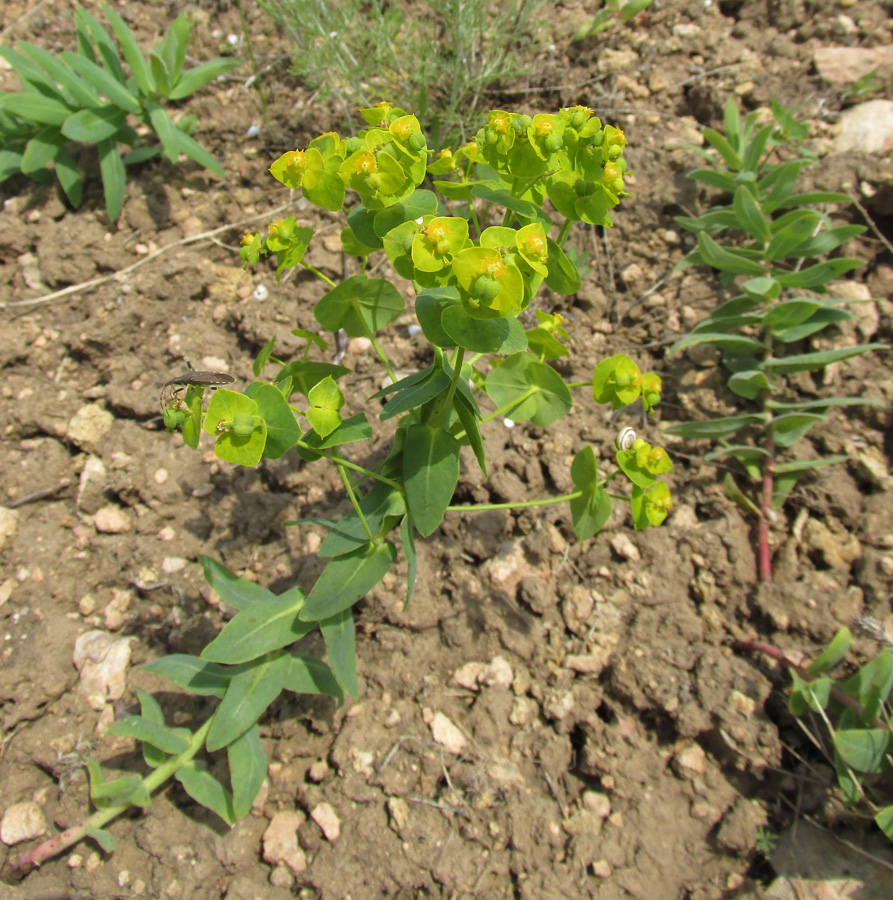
column 776, row 239
column 473, row 280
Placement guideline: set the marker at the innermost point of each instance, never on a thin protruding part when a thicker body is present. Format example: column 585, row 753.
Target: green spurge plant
column 473, row 280
column 88, row 98
column 771, row 235
column 856, row 713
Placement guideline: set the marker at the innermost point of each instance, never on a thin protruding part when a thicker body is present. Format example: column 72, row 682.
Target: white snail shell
column 625, row 439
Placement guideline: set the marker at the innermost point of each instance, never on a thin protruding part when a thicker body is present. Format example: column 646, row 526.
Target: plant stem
column 766, row 512
column 356, row 503
column 563, row 233
column 318, row 274
column 347, row 464
column 779, row 656
column 250, row 49
column 71, row 836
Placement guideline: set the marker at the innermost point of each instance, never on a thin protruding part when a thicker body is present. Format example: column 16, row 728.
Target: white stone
column 468, row 676
column 22, row 822
column 89, row 425
column 172, row 564
column 866, row 128
column 690, row 761
column 111, row 520
column 281, row 841
column 325, row 816
column 499, row 672
column 598, row 803
column 625, row 548
column 448, row 735
column 102, row 660
column 9, row 522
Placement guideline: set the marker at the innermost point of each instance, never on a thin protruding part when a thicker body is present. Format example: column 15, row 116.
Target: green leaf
column 309, row 675
column 735, row 343
column 884, row 820
column 103, row 82
column 799, row 226
column 717, row 428
column 755, row 148
column 194, row 79
column 750, row 217
column 41, row 149
column 356, row 428
column 124, row 791
column 283, row 431
column 77, row 94
column 820, row 319
column 172, row 49
column 225, row 411
column 205, row 789
column 818, row 275
column 160, row 75
column 523, row 208
column 789, row 428
column 347, row 578
column 90, row 126
column 591, row 510
column 412, row 391
column 193, row 674
column 726, row 260
column 158, row 735
column 429, row 307
column 249, row 693
column 105, row 839
column 563, row 276
column 263, row 626
column 526, row 388
column 34, row 107
column 247, row 769
column 407, row 542
column 723, row 147
column 713, row 179
column 167, row 132
column 237, row 592
column 307, row 373
column 107, row 50
column 382, row 502
column 504, row 335
column 114, row 178
column 131, row 51
column 338, row 632
column 69, row 176
column 863, row 749
column 430, row 473
column 192, row 149
column 360, row 305
column 831, row 655
column 749, row 383
column 810, row 362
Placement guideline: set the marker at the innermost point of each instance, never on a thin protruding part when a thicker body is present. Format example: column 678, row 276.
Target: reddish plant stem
column 779, row 656
column 766, row 511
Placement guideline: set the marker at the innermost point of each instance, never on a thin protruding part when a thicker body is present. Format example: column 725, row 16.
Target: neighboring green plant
column 857, row 714
column 441, row 55
column 246, row 680
column 88, row 98
column 473, row 280
column 771, row 232
column 766, row 841
column 612, row 12
column 863, row 87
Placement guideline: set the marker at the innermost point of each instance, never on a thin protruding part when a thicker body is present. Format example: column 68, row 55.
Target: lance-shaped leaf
column 309, row 675
column 338, row 631
column 249, row 693
column 591, row 510
column 247, row 770
column 430, row 473
column 347, row 578
column 717, row 428
column 505, row 335
column 810, row 362
column 237, row 592
column 157, row 734
column 204, row 788
column 382, row 502
column 193, row 674
column 263, row 626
